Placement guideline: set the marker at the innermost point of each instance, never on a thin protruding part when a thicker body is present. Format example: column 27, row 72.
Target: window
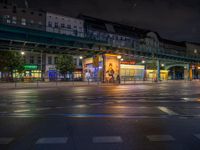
column 56, row 24
column 31, row 22
column 75, row 27
column 14, row 20
column 62, row 25
column 80, row 62
column 55, row 60
column 23, row 21
column 39, row 60
column 50, row 60
column 40, row 23
column 49, row 24
column 31, row 59
column 8, row 21
column 40, row 14
column 68, row 26
column 32, row 13
column 75, row 61
column 23, row 11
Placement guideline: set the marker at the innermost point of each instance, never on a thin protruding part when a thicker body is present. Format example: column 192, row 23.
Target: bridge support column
column 174, row 73
column 158, row 70
column 189, row 72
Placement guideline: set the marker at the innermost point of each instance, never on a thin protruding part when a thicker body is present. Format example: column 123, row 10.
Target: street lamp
column 81, row 57
column 122, row 59
column 162, row 65
column 119, row 57
column 143, row 61
column 22, row 53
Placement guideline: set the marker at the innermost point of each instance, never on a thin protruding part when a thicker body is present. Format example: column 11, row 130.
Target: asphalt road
column 122, row 117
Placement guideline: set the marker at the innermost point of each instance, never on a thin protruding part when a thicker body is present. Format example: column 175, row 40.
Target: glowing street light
column 122, row 59
column 143, row 61
column 119, row 57
column 22, row 53
column 162, row 65
column 81, row 57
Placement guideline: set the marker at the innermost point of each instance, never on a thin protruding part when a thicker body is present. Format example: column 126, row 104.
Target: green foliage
column 11, row 60
column 65, row 63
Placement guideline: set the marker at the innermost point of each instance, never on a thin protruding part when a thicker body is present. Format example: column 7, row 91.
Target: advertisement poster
column 112, row 67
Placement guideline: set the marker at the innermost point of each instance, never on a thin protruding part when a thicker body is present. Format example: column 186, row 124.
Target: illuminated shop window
column 23, row 21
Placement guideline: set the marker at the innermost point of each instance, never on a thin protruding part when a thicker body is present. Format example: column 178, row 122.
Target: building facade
column 22, row 17
column 64, row 25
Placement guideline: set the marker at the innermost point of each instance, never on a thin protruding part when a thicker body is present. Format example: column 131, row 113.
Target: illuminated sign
column 199, row 68
column 30, row 67
column 128, row 62
column 123, row 66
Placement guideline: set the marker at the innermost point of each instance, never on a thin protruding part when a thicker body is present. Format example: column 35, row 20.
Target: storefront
column 131, row 71
column 152, row 74
column 93, row 68
column 30, row 73
column 108, row 67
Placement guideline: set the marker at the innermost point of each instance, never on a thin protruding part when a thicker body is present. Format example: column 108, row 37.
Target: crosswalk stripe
column 21, row 110
column 197, row 136
column 107, row 139
column 160, row 138
column 167, row 110
column 5, row 140
column 52, row 140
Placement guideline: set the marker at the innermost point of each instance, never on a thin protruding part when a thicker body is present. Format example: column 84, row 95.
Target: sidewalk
column 19, row 85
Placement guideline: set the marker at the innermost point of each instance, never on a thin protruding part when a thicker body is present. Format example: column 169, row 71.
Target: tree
column 65, row 64
column 10, row 61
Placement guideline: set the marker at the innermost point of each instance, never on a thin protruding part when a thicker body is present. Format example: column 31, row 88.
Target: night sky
column 172, row 19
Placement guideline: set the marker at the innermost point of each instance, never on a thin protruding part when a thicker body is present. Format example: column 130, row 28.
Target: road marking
column 166, row 110
column 52, row 140
column 80, row 106
column 107, row 139
column 197, row 136
column 94, row 104
column 160, row 138
column 59, row 107
column 5, row 140
column 45, row 108
column 21, row 110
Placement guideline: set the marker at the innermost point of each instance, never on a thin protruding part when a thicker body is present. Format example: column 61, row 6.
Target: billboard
column 111, row 67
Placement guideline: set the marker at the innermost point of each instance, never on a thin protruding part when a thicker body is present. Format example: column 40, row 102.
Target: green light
column 30, row 67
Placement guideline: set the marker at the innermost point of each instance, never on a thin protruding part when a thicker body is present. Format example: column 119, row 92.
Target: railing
column 130, row 42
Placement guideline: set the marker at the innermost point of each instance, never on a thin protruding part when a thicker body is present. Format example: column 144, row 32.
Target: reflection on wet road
column 146, row 117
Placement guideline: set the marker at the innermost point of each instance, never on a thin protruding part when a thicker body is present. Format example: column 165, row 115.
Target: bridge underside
column 15, row 38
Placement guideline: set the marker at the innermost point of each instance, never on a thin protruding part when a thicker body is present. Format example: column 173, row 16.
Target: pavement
column 162, row 116
column 54, row 84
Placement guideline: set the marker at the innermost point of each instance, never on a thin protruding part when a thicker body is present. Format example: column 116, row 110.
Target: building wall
column 193, row 49
column 64, row 25
column 22, row 17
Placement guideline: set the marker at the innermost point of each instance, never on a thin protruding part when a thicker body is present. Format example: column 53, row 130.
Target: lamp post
column 144, row 76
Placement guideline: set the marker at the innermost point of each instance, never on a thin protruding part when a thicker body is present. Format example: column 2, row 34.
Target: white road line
column 107, row 139
column 52, row 140
column 160, row 138
column 45, row 108
column 197, row 136
column 21, row 110
column 5, row 140
column 167, row 110
column 80, row 106
column 59, row 107
column 94, row 104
